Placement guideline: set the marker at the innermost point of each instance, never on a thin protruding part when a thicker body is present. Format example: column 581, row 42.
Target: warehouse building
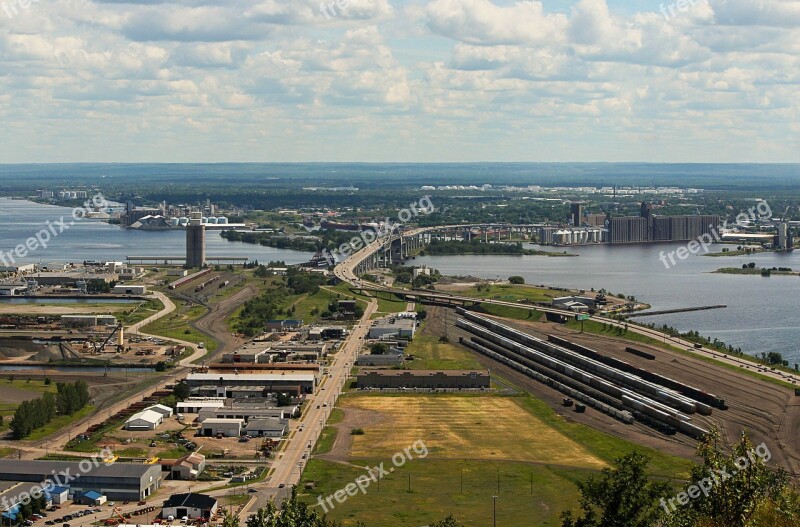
column 118, row 481
column 273, row 428
column 273, row 381
column 190, row 506
column 393, row 327
column 166, row 411
column 144, row 420
column 246, row 414
column 191, row 406
column 227, row 427
column 130, row 289
column 424, row 379
column 393, row 357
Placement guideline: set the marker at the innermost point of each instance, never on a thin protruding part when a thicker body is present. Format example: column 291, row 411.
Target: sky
column 399, row 80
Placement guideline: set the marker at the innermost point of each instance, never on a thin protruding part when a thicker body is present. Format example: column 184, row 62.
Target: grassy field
column 509, row 292
column 517, row 313
column 515, row 448
column 328, row 436
column 430, row 354
column 458, row 427
column 176, row 325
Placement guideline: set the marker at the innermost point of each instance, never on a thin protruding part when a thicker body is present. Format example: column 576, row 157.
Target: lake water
column 97, row 240
column 761, row 315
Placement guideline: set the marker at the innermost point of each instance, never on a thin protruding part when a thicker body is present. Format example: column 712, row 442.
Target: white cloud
column 399, row 80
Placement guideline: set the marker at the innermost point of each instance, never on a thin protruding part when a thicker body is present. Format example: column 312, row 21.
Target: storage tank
column 184, row 221
column 204, row 220
column 212, row 220
column 174, row 221
column 222, row 220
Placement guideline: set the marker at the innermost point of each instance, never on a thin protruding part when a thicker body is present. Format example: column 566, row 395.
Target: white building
column 225, row 427
column 130, row 289
column 166, row 411
column 144, row 420
column 195, row 406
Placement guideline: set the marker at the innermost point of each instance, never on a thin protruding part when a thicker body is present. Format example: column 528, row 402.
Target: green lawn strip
column 517, row 313
column 512, row 293
column 328, row 435
column 32, row 385
column 176, row 325
column 528, row 494
column 430, row 354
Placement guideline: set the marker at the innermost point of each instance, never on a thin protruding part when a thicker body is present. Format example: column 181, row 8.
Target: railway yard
column 646, row 394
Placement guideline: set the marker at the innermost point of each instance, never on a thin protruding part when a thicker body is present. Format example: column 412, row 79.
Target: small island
column 752, row 269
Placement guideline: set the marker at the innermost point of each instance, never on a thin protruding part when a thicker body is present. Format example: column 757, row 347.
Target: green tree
column 622, row 496
column 516, row 280
column 379, row 348
column 181, row 391
column 447, row 522
column 292, row 513
column 738, row 484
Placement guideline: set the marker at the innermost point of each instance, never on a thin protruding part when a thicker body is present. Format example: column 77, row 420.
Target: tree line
column 36, row 413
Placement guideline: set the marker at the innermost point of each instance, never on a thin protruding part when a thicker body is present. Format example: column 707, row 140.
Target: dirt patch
column 353, row 418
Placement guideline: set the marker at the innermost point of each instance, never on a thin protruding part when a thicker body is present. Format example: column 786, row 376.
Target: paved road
column 289, row 464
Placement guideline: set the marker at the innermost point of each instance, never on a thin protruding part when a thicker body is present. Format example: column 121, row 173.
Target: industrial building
column 189, row 467
column 195, row 241
column 273, row 428
column 784, row 240
column 226, row 427
column 130, row 289
column 283, row 381
column 393, row 327
column 166, row 411
column 424, row 379
column 190, row 506
column 246, row 414
column 118, row 481
column 392, row 357
column 195, row 406
column 144, row 420
column 650, row 228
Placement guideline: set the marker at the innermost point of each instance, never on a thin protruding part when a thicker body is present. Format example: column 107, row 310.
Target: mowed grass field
column 458, row 427
column 430, row 354
column 479, row 446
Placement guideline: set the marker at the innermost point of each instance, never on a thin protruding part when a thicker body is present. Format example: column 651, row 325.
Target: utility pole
column 494, row 511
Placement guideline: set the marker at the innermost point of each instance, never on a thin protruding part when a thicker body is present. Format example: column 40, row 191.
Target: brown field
column 458, row 427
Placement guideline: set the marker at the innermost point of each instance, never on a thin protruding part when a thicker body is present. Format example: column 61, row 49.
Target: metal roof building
column 118, row 481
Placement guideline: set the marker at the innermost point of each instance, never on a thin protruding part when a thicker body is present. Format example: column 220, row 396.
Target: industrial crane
column 120, row 340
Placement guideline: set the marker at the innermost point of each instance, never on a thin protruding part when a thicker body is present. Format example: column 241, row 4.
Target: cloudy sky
column 399, row 80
